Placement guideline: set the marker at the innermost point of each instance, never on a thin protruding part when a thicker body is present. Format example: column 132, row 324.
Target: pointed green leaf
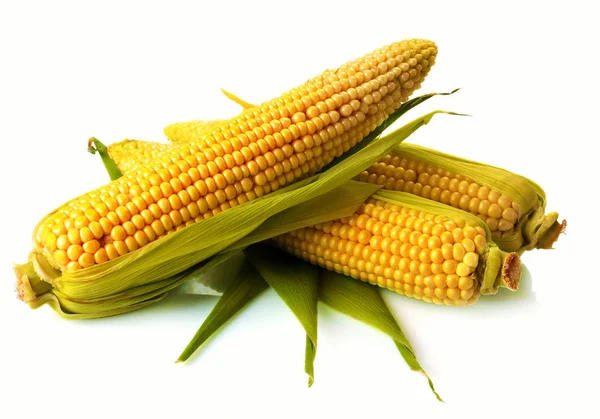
column 363, row 302
column 239, row 293
column 296, row 283
column 95, row 145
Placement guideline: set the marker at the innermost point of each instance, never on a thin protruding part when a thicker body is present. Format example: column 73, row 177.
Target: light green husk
column 534, row 229
column 296, row 283
column 363, row 302
column 244, row 287
column 144, row 276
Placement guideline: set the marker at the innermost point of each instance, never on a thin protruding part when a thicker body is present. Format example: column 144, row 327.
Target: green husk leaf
column 364, row 303
column 241, row 291
column 121, row 302
column 343, row 201
column 517, row 187
column 216, row 280
column 58, row 306
column 96, row 146
column 296, row 283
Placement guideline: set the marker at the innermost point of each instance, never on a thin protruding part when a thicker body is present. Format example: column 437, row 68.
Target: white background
column 115, row 70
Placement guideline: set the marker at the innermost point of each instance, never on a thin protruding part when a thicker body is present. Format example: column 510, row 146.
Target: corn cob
column 411, row 246
column 262, row 149
column 511, row 206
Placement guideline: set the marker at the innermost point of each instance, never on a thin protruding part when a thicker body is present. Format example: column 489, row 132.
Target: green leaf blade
column 363, row 302
column 237, row 295
column 297, row 284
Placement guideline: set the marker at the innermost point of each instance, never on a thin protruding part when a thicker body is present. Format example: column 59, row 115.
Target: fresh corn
column 259, row 151
column 411, row 246
column 512, row 206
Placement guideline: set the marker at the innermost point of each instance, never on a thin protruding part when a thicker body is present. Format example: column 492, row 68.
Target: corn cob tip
column 511, row 271
column 551, row 235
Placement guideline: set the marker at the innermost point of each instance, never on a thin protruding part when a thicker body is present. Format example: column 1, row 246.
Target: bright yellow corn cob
column 262, row 149
column 417, row 249
column 511, row 206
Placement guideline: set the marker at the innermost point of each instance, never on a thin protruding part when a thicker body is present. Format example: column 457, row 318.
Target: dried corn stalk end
column 427, row 253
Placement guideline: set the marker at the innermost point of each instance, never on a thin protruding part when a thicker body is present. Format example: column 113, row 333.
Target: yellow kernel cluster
column 129, row 154
column 259, row 151
column 400, row 173
column 418, row 254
